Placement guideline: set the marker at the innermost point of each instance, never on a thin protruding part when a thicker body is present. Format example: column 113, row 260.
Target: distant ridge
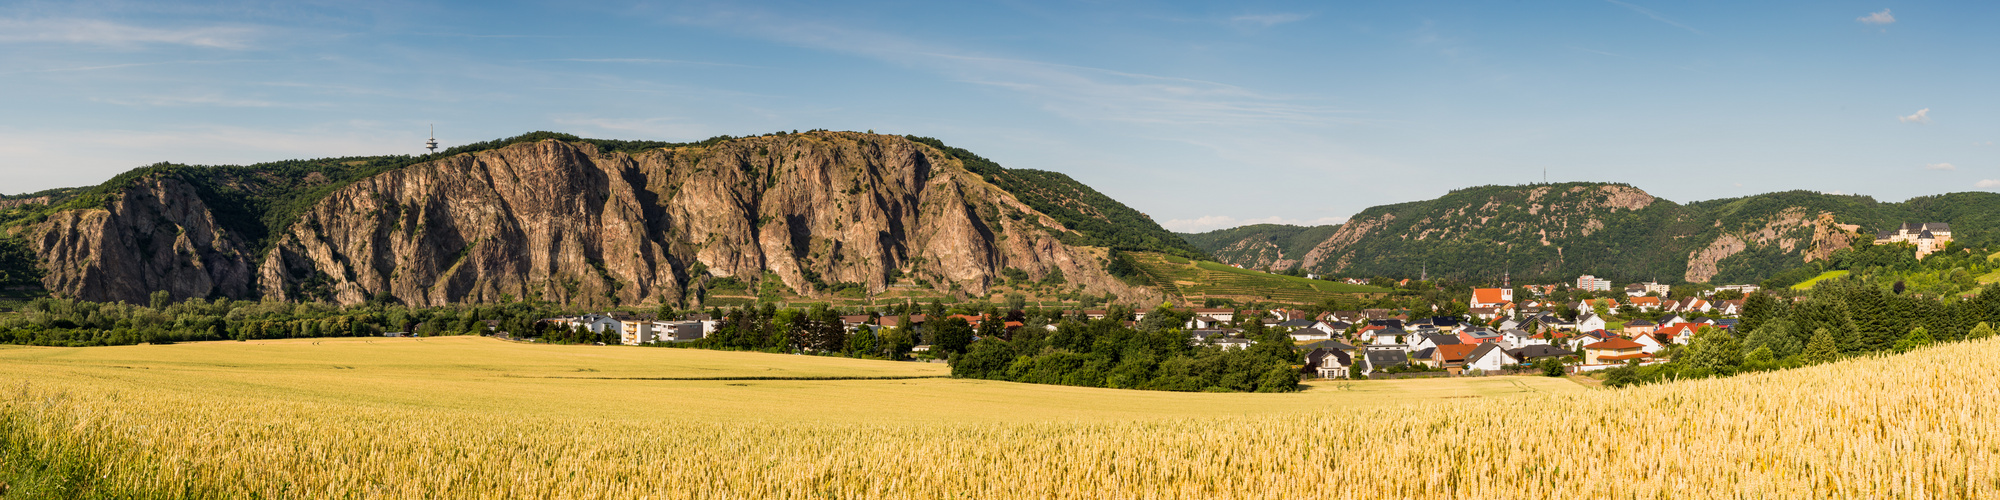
column 1554, row 232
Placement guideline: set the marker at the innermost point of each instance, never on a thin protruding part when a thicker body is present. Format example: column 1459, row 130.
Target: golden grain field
column 472, row 418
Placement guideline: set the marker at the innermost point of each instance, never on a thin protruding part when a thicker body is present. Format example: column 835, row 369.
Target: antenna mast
column 433, row 143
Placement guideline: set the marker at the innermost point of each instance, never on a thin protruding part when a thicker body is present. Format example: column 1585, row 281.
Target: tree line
column 80, row 323
column 1155, row 355
column 1838, row 318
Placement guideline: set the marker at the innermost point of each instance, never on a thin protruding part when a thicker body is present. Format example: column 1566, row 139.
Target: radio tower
column 433, row 143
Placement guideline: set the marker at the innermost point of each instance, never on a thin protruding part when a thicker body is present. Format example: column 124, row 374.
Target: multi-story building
column 1928, row 236
column 1591, row 283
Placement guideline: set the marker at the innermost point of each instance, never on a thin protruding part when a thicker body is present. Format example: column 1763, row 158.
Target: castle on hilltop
column 1928, row 236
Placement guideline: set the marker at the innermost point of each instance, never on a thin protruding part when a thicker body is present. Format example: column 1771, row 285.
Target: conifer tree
column 1917, row 339
column 1822, row 349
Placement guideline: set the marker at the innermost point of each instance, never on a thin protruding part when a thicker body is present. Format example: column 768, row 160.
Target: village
column 1500, row 333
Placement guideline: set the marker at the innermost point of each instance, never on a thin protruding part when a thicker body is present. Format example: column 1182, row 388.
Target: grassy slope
column 484, row 375
column 1808, row 284
column 1205, row 279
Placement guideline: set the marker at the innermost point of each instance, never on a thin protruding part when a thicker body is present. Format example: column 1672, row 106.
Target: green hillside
column 1555, row 232
column 1093, row 218
column 1195, row 280
column 1260, row 245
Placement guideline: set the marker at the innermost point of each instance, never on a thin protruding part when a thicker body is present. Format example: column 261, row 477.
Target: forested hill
column 1092, row 218
column 1555, row 232
column 1274, row 247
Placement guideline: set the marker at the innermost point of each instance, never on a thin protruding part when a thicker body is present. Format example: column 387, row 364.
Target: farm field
column 455, row 417
column 486, row 375
column 1195, row 280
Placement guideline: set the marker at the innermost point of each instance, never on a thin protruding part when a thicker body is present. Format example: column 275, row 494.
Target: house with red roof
column 1452, row 357
column 1647, row 304
column 1680, row 333
column 1577, row 342
column 1730, row 307
column 1491, row 297
column 1616, row 350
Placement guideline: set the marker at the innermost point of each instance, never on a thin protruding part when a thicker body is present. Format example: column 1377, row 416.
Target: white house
column 1386, row 336
column 1329, row 363
column 1201, row 322
column 1649, row 343
column 1310, row 335
column 1375, row 359
column 1421, row 342
column 1515, row 337
column 1221, row 315
column 1489, row 357
column 1589, row 322
column 1233, row 344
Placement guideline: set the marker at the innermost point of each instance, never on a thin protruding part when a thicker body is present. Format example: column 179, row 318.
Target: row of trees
column 1156, row 355
column 69, row 322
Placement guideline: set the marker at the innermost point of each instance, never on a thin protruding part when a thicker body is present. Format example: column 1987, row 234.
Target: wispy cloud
column 1987, row 184
column 1940, row 166
column 127, row 65
column 641, row 60
column 100, row 32
column 1922, row 116
column 1656, row 16
column 208, row 100
column 468, row 35
column 1882, row 17
column 1214, row 222
column 1267, row 20
column 653, row 128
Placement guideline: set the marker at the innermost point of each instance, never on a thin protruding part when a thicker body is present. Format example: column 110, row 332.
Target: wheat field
column 451, row 419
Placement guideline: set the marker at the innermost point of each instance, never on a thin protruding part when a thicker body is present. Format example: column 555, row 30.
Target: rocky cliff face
column 157, row 236
column 571, row 223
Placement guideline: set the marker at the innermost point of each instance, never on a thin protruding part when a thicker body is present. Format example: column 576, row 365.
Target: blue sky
column 1202, row 114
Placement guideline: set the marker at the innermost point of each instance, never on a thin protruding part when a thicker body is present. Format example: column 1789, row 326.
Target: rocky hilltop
column 574, row 222
column 1554, row 232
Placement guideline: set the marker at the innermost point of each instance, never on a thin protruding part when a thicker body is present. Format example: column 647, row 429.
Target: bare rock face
column 156, row 235
column 570, row 223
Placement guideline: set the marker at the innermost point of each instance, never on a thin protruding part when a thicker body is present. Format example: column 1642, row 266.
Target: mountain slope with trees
column 1554, row 232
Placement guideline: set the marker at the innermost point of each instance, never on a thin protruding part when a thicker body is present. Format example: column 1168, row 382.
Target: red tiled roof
column 1454, row 352
column 1488, row 295
column 1677, row 330
column 1614, row 345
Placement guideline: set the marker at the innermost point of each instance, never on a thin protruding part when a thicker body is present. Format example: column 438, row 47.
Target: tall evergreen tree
column 1823, row 348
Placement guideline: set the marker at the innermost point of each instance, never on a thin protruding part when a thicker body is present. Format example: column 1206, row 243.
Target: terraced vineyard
column 1194, row 280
